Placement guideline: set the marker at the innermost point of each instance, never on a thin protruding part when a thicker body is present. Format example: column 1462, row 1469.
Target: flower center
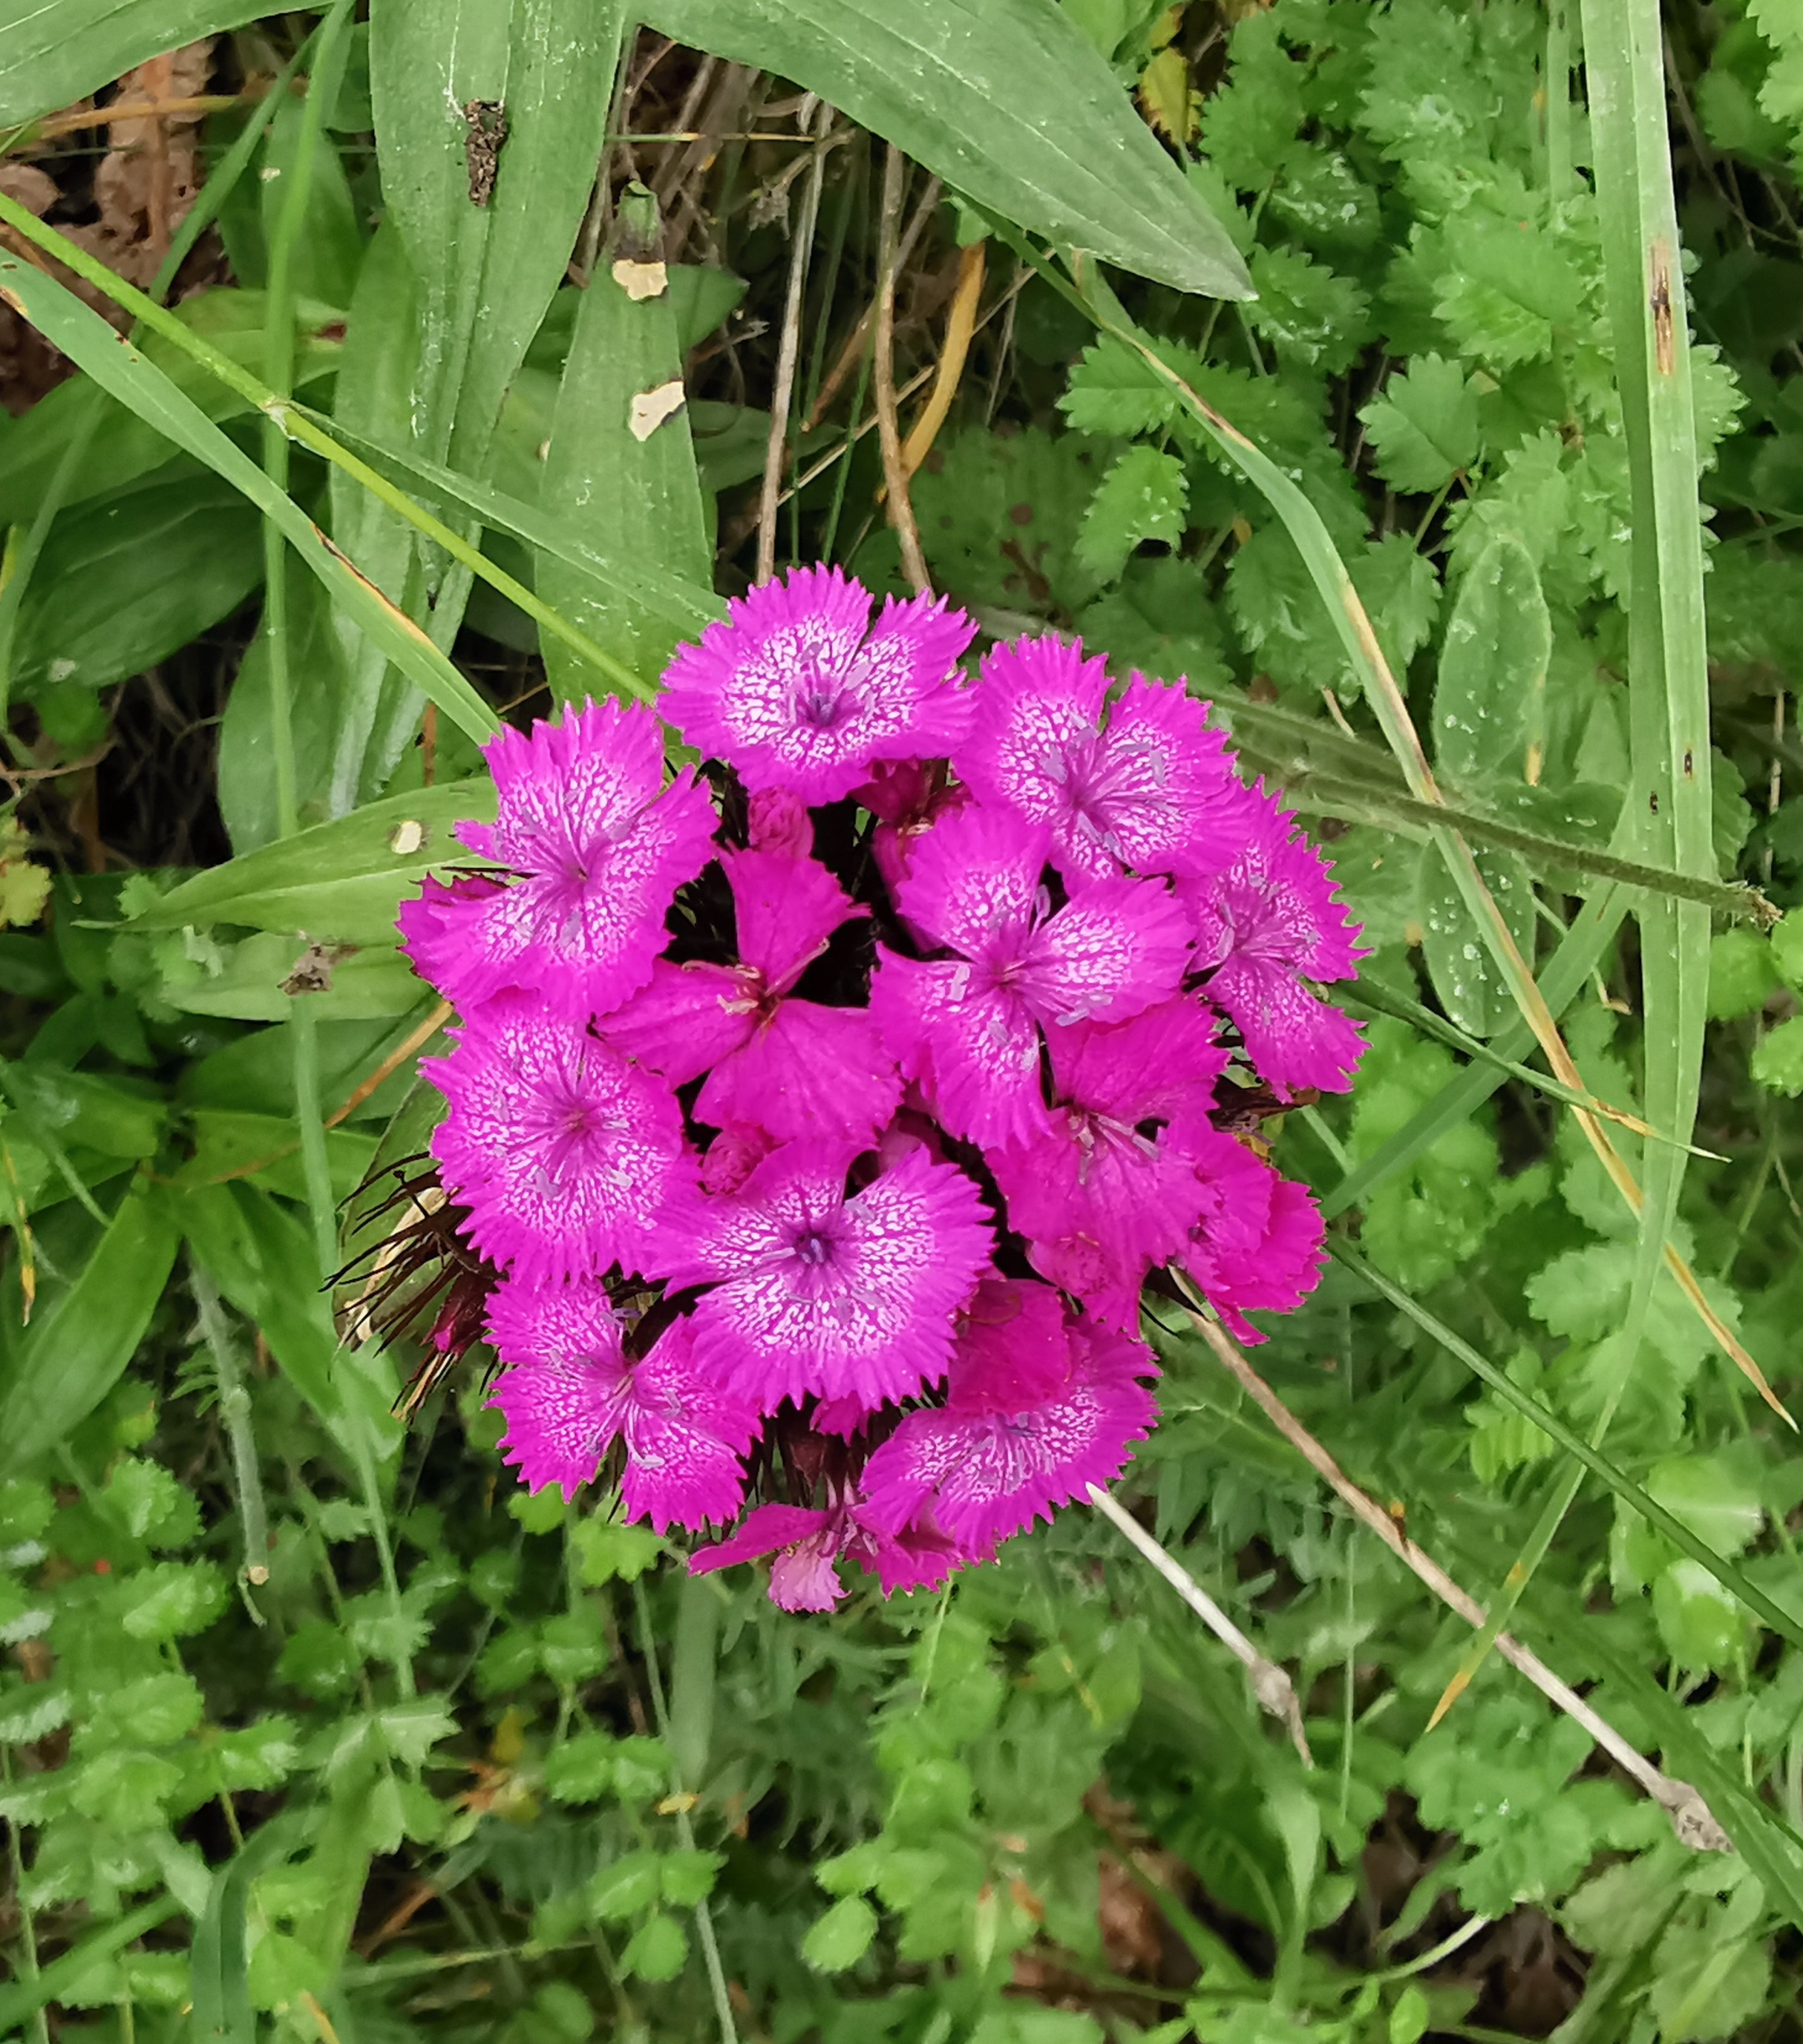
column 820, row 706
column 813, row 1249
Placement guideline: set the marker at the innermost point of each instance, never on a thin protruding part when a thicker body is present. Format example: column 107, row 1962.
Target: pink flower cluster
column 823, row 1117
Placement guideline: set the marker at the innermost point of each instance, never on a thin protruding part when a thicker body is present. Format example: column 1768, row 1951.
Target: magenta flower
column 569, row 1392
column 563, row 1152
column 1098, row 1200
column 799, row 690
column 437, row 927
column 967, row 1029
column 817, row 1292
column 793, row 1068
column 1152, row 789
column 600, row 846
column 1265, row 923
column 979, row 1471
column 808, row 1545
column 1257, row 1245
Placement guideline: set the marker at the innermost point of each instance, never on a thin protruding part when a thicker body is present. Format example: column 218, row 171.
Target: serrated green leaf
column 581, row 1770
column 1142, row 497
column 1309, row 314
column 1424, row 427
column 1112, row 392
column 840, row 1938
column 1777, row 1058
column 1743, row 974
column 171, row 1599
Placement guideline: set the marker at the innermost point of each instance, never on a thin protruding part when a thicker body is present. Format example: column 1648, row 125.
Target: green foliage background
column 314, row 1726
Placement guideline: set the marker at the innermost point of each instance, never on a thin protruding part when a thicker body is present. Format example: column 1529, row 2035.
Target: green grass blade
column 1667, row 817
column 86, row 338
column 683, row 606
column 1731, row 1578
column 1377, row 999
column 1570, row 966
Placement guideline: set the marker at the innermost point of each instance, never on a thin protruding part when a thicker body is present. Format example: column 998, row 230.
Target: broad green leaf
column 121, row 447
column 841, row 1937
column 1007, row 100
column 86, row 338
column 340, row 883
column 50, row 55
column 76, row 1350
column 173, row 556
column 379, row 708
column 620, row 473
column 1489, row 699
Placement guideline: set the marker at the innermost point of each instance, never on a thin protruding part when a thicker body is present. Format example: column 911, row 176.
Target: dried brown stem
column 1691, row 1817
column 801, row 242
column 846, row 360
column 1271, row 1685
column 895, row 476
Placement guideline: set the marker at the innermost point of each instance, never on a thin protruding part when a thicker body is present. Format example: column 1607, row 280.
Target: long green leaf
column 1007, row 100
column 25, row 1997
column 616, row 478
column 685, row 605
column 114, row 362
column 52, row 52
column 75, row 1352
column 339, row 881
column 490, row 118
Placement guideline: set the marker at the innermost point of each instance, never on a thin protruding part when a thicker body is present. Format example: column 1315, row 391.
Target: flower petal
column 809, row 1071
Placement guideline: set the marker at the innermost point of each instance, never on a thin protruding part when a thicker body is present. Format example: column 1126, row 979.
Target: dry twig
column 1691, row 1817
column 1270, row 1684
column 895, row 477
column 800, row 243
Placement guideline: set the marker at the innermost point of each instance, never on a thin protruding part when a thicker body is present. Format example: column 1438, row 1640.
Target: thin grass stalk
column 235, row 1410
column 685, row 1831
column 790, row 348
column 1571, row 965
column 1667, row 817
column 894, row 475
column 1732, row 1577
column 1270, row 1683
column 279, row 362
